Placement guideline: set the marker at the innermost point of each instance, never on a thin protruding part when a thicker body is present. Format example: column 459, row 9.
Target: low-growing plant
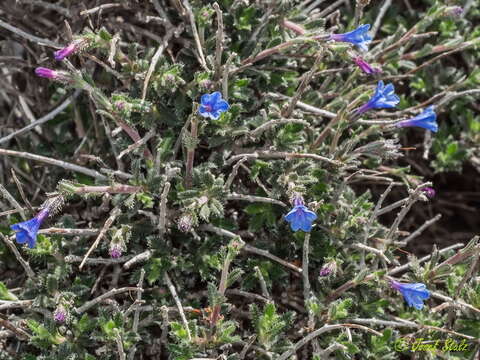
column 213, row 192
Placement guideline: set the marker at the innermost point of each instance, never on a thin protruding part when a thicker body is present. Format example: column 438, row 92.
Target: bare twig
column 68, row 166
column 144, row 256
column 319, row 332
column 263, row 284
column 234, row 172
column 20, row 190
column 294, row 27
column 470, row 249
column 261, row 154
column 25, row 35
column 222, row 287
column 12, row 201
column 97, row 261
column 359, row 5
column 381, row 14
column 64, row 11
column 69, row 232
column 17, row 304
column 51, row 115
column 102, row 297
column 377, row 252
column 251, row 249
column 191, row 151
column 118, row 340
column 138, row 143
column 307, row 288
column 15, row 329
column 191, row 17
column 113, row 215
column 373, row 216
column 98, row 8
column 219, row 43
column 392, row 206
column 170, row 286
column 136, row 315
column 156, row 57
column 251, row 198
column 414, row 196
column 163, row 209
column 304, row 106
column 247, row 346
column 19, row 257
column 419, row 231
column 303, row 85
column 113, row 189
column 306, row 280
column 460, row 303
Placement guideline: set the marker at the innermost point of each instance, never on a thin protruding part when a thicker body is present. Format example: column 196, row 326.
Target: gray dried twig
column 19, row 257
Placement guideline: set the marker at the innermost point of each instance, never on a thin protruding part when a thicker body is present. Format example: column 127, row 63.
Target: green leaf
column 5, row 294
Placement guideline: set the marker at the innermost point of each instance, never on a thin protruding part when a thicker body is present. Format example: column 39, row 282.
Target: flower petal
column 291, row 215
column 295, row 224
column 21, row 237
column 215, row 97
column 310, row 215
column 221, row 105
column 206, row 99
column 202, row 110
column 215, row 114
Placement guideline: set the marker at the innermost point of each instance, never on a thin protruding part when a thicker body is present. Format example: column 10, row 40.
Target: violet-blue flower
column 365, row 66
column 300, row 218
column 26, row 232
column 212, row 105
column 427, row 119
column 384, row 97
column 359, row 37
column 414, row 294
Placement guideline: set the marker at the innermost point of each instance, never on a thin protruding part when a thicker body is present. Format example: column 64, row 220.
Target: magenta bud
column 120, row 105
column 329, row 268
column 46, row 73
column 428, row 191
column 169, row 77
column 185, row 223
column 115, row 251
column 60, row 315
column 66, row 51
column 455, row 11
column 205, row 84
column 366, row 67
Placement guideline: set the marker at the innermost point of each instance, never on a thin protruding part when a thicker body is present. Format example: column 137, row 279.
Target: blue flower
column 212, row 105
column 414, row 294
column 427, row 120
column 26, row 232
column 359, row 37
column 384, row 97
column 300, row 218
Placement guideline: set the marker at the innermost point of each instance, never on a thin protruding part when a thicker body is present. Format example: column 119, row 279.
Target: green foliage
column 5, row 294
column 269, row 324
